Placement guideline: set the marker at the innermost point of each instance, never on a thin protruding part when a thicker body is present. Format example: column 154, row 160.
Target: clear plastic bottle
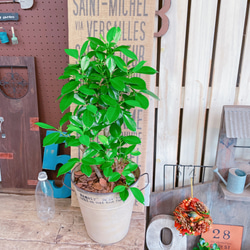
column 45, row 204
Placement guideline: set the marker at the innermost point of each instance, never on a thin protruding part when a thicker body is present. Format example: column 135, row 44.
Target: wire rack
column 180, row 172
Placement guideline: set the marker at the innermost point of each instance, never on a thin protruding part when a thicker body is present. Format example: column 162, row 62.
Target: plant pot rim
column 110, row 193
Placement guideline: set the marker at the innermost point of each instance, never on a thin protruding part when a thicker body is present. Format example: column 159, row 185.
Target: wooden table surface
column 21, row 229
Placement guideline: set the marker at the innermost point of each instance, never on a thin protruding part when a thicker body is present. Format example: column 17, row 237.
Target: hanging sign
column 225, row 236
column 9, row 17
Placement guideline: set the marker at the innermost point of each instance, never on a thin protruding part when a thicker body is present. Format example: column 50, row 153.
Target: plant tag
column 9, row 17
column 225, row 236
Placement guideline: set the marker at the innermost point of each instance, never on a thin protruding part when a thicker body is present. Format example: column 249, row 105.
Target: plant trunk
column 97, row 171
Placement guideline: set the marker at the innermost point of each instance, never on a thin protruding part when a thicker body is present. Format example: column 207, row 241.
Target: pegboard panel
column 42, row 32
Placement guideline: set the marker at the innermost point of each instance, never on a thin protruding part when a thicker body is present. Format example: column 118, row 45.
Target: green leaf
column 88, row 118
column 64, row 76
column 50, row 138
column 103, row 139
column 95, row 146
column 111, row 34
column 94, row 86
column 85, row 63
column 92, row 108
column 143, row 100
column 107, row 164
column 131, row 167
column 89, row 152
column 70, row 86
column 44, row 125
column 78, row 100
column 115, row 130
column 130, row 178
column 124, row 195
column 72, row 52
column 114, row 177
column 129, row 122
column 99, row 160
column 88, row 161
column 117, row 83
column 130, row 149
column 66, row 101
column 86, row 169
column 85, row 140
column 137, row 83
column 107, row 172
column 146, row 70
column 75, row 120
column 73, row 142
column 113, row 93
column 86, row 90
column 108, row 100
column 137, row 194
column 131, row 139
column 120, row 63
column 84, row 47
column 93, row 46
column 104, row 90
column 60, row 140
column 135, row 153
column 96, row 41
column 148, row 92
column 65, row 118
column 72, row 128
column 119, row 188
column 113, row 113
column 128, row 53
column 133, row 103
column 110, row 62
column 100, row 55
column 138, row 66
column 66, row 167
column 118, row 34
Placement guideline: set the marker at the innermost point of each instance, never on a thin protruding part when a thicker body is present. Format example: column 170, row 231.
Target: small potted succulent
column 203, row 245
column 103, row 88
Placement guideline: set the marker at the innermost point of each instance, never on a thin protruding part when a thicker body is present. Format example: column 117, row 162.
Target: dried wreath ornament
column 192, row 217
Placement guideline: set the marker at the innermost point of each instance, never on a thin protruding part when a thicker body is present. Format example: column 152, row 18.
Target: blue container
column 236, row 180
column 3, row 36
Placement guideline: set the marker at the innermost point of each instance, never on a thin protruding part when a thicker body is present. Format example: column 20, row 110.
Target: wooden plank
column 152, row 105
column 243, row 97
column 226, row 64
column 199, row 55
column 170, row 81
column 21, row 227
column 20, row 146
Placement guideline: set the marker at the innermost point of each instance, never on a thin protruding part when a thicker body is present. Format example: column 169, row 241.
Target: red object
column 6, row 156
column 192, row 217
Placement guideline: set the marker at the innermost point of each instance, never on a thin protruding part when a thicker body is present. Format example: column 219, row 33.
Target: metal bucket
column 106, row 216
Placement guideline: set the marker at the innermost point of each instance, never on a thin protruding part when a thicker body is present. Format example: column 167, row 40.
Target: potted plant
column 203, row 245
column 104, row 90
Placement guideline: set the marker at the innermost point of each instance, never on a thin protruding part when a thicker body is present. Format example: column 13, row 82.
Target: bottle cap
column 42, row 176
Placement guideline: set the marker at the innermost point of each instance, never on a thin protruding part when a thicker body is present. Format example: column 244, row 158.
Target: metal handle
column 11, row 1
column 67, row 185
column 147, row 180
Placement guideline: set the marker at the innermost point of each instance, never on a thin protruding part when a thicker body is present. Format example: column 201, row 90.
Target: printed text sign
column 225, row 236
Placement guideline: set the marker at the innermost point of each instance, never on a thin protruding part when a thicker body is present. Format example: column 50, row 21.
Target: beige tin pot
column 106, row 216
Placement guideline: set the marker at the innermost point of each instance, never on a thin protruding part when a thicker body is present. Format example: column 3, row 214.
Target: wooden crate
column 203, row 66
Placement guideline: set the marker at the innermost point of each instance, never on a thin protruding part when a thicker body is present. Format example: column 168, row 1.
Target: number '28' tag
column 225, row 236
